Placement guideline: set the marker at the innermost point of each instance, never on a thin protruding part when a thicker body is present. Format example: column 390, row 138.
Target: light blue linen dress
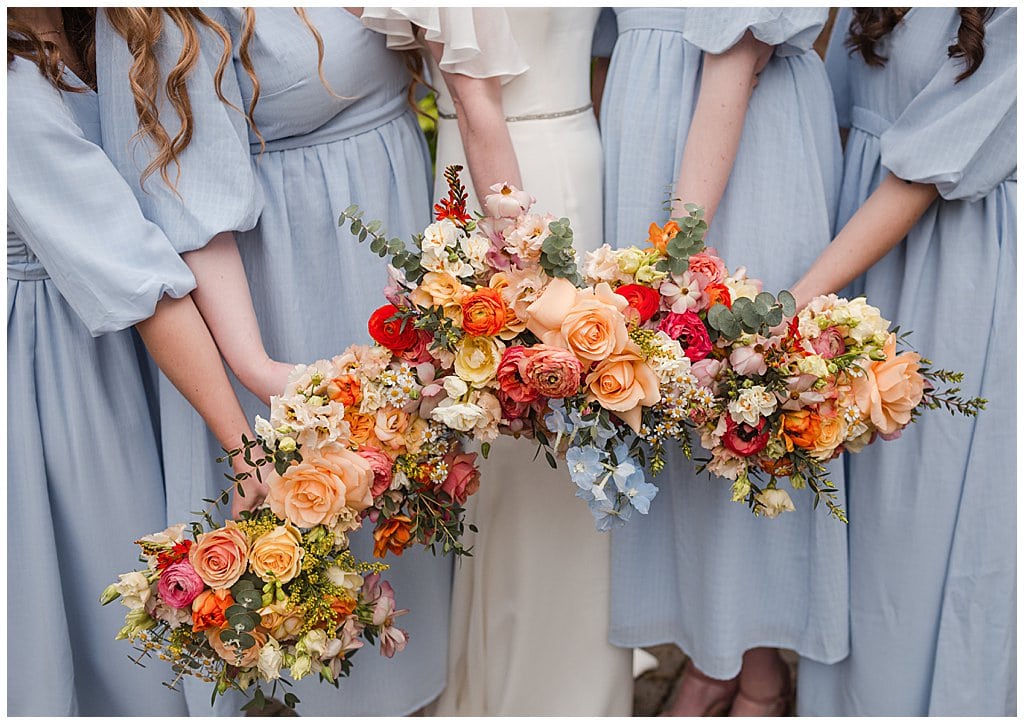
column 932, row 515
column 313, row 286
column 83, row 459
column 701, row 571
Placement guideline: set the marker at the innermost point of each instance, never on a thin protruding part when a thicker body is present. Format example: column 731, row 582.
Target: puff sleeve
column 74, row 212
column 217, row 189
column 791, row 30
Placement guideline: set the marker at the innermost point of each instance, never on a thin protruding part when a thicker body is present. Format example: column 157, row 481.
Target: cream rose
column 277, row 554
column 477, row 359
column 624, row 384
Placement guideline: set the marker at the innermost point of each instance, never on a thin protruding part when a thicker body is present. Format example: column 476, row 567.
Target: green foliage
column 401, row 256
column 750, row 316
column 689, row 240
column 557, row 255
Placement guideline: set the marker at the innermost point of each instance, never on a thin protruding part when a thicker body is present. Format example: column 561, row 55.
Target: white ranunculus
column 346, row 579
column 601, row 265
column 475, row 247
column 301, row 667
column 462, row 416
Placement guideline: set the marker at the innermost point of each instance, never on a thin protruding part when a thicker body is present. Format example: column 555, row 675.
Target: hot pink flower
column 463, row 476
column 381, row 465
column 512, row 379
column 691, row 333
column 552, row 372
column 179, row 585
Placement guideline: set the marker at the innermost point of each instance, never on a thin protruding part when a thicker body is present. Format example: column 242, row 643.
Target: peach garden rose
column 277, row 555
column 591, row 323
column 625, row 384
column 220, row 556
column 890, row 389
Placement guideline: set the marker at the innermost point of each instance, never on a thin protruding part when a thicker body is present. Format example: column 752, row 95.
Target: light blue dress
column 933, row 514
column 701, row 571
column 313, row 286
column 83, row 460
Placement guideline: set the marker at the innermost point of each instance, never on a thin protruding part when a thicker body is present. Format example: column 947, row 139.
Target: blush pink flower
column 179, row 585
column 381, row 596
column 829, row 343
column 382, row 469
column 748, row 361
column 706, row 370
column 691, row 333
column 463, row 476
column 709, row 265
column 552, row 371
column 507, row 201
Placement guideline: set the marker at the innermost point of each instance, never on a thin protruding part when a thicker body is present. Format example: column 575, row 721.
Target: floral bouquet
column 777, row 395
column 365, row 415
column 242, row 604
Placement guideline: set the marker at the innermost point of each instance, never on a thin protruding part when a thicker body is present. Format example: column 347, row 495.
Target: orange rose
column 394, row 535
column 342, row 608
column 591, row 323
column 209, row 607
column 389, row 424
column 890, row 389
column 660, row 237
column 800, row 429
column 315, row 491
column 220, row 556
column 345, row 389
column 277, row 554
column 282, row 623
column 483, row 313
column 624, row 383
column 230, row 653
column 441, row 289
column 360, row 427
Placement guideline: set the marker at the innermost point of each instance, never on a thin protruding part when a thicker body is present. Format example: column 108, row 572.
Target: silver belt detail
column 530, row 116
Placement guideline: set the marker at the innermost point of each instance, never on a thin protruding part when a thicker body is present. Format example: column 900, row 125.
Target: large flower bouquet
column 778, row 393
column 242, row 604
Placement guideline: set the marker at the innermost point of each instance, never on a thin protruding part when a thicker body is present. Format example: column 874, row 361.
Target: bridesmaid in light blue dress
column 932, row 515
column 701, row 571
column 83, row 266
column 313, row 285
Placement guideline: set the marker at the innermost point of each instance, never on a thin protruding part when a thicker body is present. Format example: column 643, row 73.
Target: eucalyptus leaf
column 788, row 303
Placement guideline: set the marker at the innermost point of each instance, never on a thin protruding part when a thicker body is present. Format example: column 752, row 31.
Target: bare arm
column 880, row 224
column 222, row 297
column 180, row 343
column 726, row 83
column 598, row 76
column 485, row 136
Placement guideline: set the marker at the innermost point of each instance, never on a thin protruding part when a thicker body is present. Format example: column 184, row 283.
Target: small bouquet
column 242, row 604
column 365, row 416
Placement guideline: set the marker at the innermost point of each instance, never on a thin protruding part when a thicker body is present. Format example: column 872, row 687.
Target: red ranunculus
column 398, row 335
column 643, row 299
column 744, row 439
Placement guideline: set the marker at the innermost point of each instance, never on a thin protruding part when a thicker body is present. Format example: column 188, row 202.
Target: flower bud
column 287, row 444
column 110, row 593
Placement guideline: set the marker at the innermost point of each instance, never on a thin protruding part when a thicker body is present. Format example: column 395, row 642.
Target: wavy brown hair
column 80, row 29
column 869, row 25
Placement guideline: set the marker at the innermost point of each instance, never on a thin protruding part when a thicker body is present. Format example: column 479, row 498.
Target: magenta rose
column 512, row 378
column 708, row 265
column 179, row 585
column 744, row 439
column 691, row 333
column 381, row 465
column 552, row 371
column 463, row 476
column 829, row 343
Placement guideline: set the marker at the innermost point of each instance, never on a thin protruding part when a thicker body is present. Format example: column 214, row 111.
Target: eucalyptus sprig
column 401, row 256
column 688, row 241
column 750, row 316
column 557, row 255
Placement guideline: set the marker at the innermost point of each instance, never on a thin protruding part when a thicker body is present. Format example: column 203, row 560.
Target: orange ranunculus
column 800, row 429
column 624, row 383
column 890, row 389
column 345, row 389
column 242, row 659
column 483, row 312
column 659, row 237
column 208, row 609
column 360, row 427
column 718, row 294
column 395, row 536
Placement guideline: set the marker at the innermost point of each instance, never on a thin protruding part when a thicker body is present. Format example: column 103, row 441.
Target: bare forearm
column 881, row 223
column 727, row 81
column 222, row 297
column 180, row 343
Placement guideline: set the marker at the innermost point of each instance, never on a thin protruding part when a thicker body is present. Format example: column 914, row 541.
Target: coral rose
column 709, row 266
column 483, row 312
column 394, row 535
column 463, row 476
column 890, row 389
column 219, row 557
column 208, row 609
column 624, row 384
column 829, row 343
column 345, row 389
column 643, row 299
column 589, row 322
column 552, row 371
column 179, row 585
column 398, row 335
column 277, row 555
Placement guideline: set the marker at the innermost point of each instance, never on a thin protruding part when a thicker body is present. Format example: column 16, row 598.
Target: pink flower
column 708, row 265
column 381, row 465
column 507, row 201
column 691, row 333
column 748, row 360
column 706, row 370
column 744, row 439
column 381, row 596
column 552, row 372
column 179, row 585
column 418, row 353
column 512, row 379
column 463, row 476
column 829, row 343
column 220, row 556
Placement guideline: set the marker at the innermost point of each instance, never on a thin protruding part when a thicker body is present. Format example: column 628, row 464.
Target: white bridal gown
column 529, row 627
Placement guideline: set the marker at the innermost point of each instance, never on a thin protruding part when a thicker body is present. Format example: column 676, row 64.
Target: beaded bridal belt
column 530, row 116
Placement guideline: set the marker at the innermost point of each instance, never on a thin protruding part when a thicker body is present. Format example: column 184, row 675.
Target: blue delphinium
column 607, row 515
column 638, row 491
column 585, row 465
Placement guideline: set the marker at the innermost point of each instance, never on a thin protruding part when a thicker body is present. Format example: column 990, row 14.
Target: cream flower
column 134, row 589
column 772, row 502
column 477, row 359
column 752, row 404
